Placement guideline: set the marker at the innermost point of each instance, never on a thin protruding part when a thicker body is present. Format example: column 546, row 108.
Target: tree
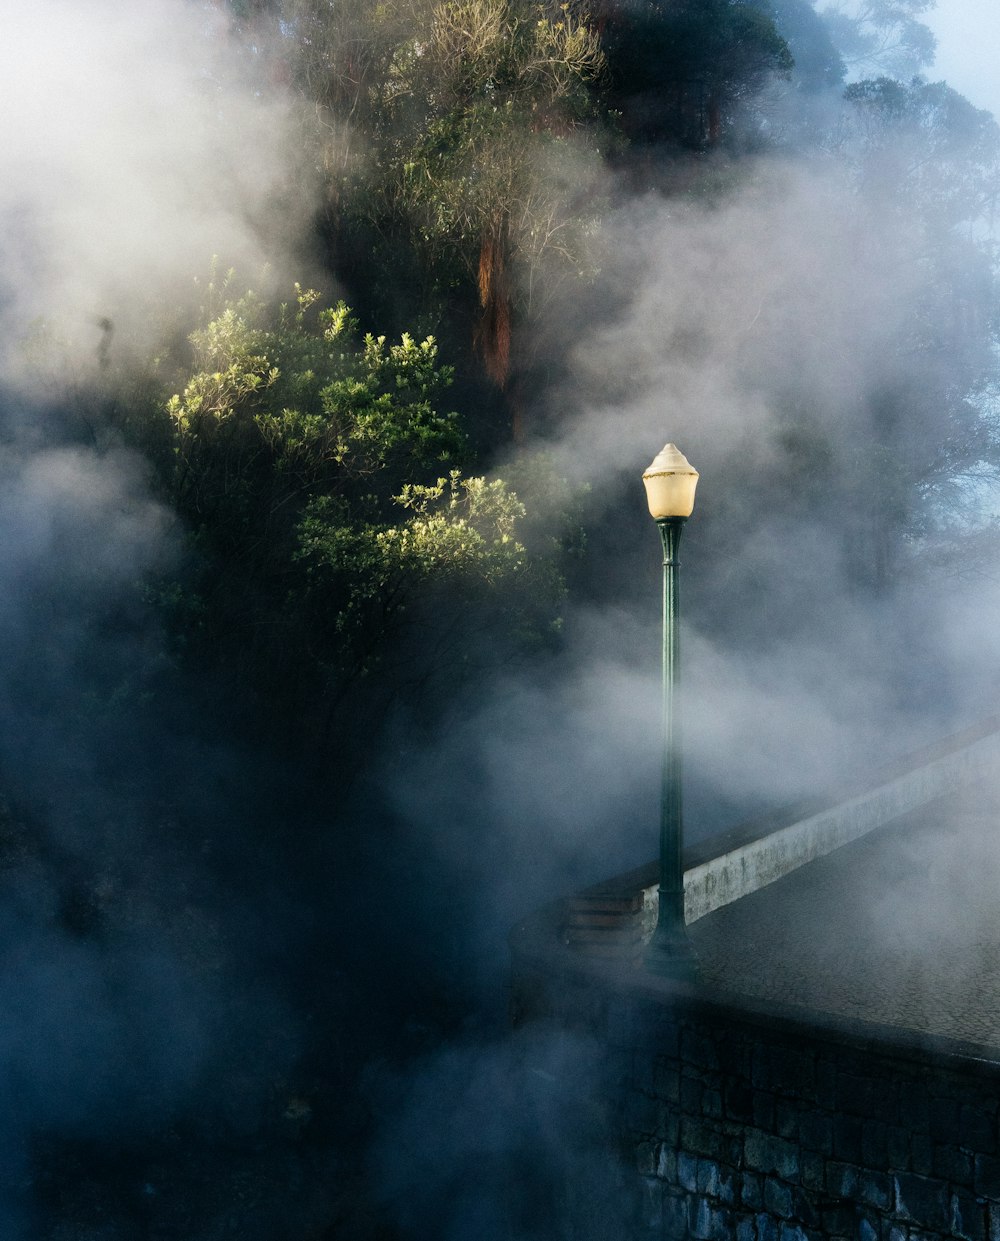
column 928, row 143
column 475, row 120
column 924, row 157
column 328, row 514
column 456, row 148
column 818, row 65
column 882, row 36
column 680, row 71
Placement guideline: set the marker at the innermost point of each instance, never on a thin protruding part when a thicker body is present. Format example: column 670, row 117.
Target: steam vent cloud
column 791, row 293
column 768, row 324
column 135, row 146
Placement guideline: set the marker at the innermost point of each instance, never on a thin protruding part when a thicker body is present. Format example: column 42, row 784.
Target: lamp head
column 670, row 482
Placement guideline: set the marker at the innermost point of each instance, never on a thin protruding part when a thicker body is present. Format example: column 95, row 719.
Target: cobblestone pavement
column 901, row 927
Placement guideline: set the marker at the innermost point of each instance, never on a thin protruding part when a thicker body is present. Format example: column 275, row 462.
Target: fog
column 168, row 904
column 791, row 298
column 136, row 147
column 965, row 31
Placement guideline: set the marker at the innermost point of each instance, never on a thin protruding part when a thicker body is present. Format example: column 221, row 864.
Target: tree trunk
column 492, row 337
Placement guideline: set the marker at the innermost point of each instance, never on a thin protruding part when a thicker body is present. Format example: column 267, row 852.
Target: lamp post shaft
column 670, row 951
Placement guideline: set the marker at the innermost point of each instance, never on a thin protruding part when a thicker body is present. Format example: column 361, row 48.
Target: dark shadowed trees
column 679, row 72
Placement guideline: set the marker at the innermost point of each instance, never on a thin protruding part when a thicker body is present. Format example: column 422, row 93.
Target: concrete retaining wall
column 744, row 869
column 611, row 918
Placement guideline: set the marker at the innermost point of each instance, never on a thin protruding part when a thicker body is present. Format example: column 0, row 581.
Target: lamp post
column 670, row 483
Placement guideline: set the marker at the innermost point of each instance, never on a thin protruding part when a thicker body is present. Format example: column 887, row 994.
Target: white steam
column 794, row 288
column 135, row 147
column 797, row 300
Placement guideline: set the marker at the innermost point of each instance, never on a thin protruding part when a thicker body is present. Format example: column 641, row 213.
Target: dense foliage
column 455, row 149
column 330, row 516
column 682, row 71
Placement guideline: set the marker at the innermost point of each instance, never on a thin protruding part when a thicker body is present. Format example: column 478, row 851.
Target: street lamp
column 670, row 482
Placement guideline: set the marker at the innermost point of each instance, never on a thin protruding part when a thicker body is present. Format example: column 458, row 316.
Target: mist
column 226, row 1006
column 721, row 326
column 138, row 145
column 138, row 148
column 718, row 328
column 960, row 54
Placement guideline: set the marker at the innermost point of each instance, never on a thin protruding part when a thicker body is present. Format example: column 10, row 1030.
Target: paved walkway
column 901, row 927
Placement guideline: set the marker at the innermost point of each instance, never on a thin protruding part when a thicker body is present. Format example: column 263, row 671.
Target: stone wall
column 769, row 1126
column 735, row 1121
column 746, row 1132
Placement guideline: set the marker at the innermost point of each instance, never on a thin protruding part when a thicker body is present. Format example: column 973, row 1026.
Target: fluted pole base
column 670, row 954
